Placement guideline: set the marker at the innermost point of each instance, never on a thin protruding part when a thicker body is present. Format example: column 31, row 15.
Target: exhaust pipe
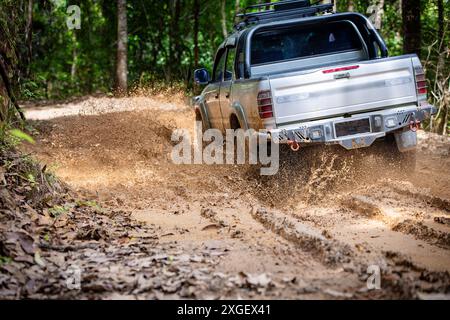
column 294, row 146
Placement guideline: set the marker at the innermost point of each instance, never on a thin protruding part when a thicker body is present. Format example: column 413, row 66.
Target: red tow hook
column 414, row 125
column 294, row 145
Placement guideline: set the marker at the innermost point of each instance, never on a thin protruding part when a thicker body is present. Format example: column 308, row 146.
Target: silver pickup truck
column 306, row 75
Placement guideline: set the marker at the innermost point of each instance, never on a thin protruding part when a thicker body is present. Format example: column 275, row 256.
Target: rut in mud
column 311, row 231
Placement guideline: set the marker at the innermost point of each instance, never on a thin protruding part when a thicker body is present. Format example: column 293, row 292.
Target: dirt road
column 309, row 232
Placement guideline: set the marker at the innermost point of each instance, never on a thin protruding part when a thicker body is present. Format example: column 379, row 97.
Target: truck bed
column 343, row 89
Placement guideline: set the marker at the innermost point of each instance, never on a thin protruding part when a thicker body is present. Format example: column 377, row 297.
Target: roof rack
column 281, row 10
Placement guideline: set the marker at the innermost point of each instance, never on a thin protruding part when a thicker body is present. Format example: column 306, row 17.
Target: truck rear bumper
column 353, row 132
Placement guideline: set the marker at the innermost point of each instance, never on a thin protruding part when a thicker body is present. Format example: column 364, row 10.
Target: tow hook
column 294, row 145
column 414, row 125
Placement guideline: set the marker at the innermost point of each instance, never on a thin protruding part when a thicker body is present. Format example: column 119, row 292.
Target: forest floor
column 309, row 232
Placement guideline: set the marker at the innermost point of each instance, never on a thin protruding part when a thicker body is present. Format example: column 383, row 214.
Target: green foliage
column 57, row 211
column 46, row 237
column 10, row 138
column 20, row 135
column 68, row 63
column 4, row 260
column 392, row 28
column 71, row 62
column 89, row 204
column 161, row 42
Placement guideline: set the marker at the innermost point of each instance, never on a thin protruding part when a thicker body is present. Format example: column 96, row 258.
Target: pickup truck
column 306, row 75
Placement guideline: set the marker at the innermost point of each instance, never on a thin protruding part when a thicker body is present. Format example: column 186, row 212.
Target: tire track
column 396, row 221
column 329, row 251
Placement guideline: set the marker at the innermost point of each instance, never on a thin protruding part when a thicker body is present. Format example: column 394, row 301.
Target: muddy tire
column 199, row 118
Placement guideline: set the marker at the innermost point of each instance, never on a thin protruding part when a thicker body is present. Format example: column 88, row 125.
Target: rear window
column 301, row 42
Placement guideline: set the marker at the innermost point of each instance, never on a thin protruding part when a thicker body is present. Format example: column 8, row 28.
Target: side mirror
column 201, row 76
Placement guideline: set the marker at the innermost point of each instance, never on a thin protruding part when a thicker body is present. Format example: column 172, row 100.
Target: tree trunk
column 351, row 5
column 73, row 68
column 122, row 47
column 174, row 40
column 196, row 31
column 224, row 18
column 29, row 35
column 441, row 69
column 411, row 26
column 237, row 6
column 441, row 21
column 8, row 88
column 445, row 121
column 379, row 15
column 376, row 11
column 442, row 45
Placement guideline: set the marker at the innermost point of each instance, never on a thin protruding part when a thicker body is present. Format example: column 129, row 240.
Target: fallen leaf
column 168, row 234
column 25, row 240
column 338, row 294
column 211, row 226
column 2, row 176
column 39, row 261
column 261, row 280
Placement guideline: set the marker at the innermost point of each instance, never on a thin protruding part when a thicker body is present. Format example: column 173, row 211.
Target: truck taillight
column 265, row 105
column 340, row 69
column 421, row 83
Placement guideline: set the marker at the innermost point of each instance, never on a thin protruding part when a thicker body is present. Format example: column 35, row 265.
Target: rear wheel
column 199, row 118
column 236, row 125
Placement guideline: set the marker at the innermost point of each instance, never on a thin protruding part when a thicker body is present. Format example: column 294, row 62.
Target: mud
column 311, row 231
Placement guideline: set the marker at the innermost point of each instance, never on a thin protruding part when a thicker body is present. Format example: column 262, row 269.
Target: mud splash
column 354, row 206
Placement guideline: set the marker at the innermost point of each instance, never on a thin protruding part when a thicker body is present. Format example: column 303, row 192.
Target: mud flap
column 406, row 140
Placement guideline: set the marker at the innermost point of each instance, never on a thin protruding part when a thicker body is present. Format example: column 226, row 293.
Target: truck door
column 212, row 96
column 225, row 88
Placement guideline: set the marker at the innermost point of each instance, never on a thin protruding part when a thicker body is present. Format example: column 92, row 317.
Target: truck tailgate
column 342, row 90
